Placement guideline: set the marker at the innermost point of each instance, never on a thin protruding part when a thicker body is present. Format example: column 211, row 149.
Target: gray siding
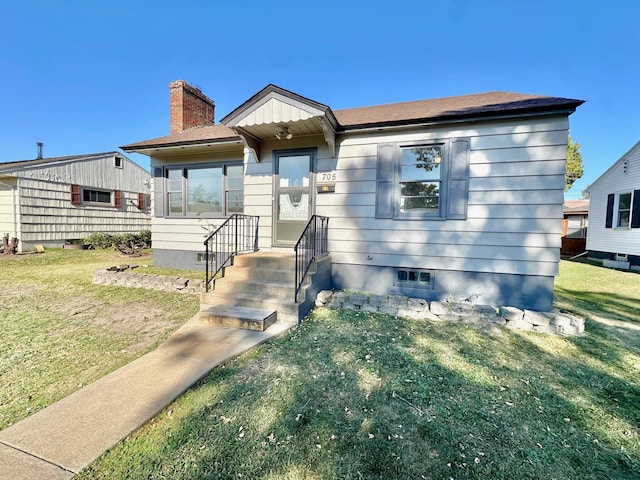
column 618, row 179
column 46, row 215
column 513, row 225
column 187, row 234
column 505, row 250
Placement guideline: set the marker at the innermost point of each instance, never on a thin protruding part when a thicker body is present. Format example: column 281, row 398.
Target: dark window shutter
column 75, row 195
column 117, row 198
column 158, row 191
column 635, row 210
column 141, row 204
column 458, row 181
column 385, row 181
column 609, row 219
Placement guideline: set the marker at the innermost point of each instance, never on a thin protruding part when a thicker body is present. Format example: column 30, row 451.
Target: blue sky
column 88, row 76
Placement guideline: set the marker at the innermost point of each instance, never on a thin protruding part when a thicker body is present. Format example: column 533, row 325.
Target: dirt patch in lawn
column 143, row 320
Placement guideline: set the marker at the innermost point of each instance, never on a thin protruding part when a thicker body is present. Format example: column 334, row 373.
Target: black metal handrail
column 313, row 242
column 238, row 234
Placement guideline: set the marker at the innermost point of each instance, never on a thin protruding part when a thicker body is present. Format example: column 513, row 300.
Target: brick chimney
column 189, row 107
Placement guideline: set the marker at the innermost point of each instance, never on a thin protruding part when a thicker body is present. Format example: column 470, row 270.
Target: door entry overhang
column 275, row 112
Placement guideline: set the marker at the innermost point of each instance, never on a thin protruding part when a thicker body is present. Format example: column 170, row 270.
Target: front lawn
column 60, row 331
column 353, row 395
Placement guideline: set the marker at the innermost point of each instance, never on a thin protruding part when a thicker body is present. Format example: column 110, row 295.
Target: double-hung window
column 423, row 180
column 205, row 190
column 420, row 180
column 623, row 210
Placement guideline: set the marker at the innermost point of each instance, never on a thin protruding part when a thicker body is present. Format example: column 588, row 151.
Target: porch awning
column 275, row 112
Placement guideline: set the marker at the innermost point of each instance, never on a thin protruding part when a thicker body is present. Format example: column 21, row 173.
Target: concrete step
column 267, row 260
column 250, row 273
column 238, row 316
column 287, row 310
column 268, row 289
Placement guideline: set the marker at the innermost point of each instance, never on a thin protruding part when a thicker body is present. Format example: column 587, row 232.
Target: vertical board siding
column 622, row 177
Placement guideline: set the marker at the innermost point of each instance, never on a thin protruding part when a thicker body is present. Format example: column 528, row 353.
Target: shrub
column 133, row 241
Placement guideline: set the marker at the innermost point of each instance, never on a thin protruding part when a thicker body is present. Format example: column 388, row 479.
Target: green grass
column 353, row 395
column 60, row 331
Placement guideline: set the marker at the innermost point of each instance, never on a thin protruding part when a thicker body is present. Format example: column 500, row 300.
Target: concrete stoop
column 237, row 316
column 259, row 289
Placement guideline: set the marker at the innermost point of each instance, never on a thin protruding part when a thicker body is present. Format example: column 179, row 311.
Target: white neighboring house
column 53, row 201
column 457, row 196
column 614, row 213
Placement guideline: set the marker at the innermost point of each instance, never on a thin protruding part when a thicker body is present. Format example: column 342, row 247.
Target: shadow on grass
column 595, row 303
column 352, row 395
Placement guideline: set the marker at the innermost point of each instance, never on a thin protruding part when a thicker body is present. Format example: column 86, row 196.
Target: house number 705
column 328, row 176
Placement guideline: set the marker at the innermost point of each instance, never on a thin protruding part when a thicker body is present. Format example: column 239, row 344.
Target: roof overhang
column 276, row 113
column 191, row 147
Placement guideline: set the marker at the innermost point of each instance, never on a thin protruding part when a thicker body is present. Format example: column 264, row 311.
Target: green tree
column 574, row 164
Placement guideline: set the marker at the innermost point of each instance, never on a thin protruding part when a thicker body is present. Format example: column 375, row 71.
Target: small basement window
column 201, row 257
column 413, row 278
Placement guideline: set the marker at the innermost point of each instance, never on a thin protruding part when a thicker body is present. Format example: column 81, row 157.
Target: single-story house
column 614, row 213
column 574, row 226
column 457, row 197
column 54, row 201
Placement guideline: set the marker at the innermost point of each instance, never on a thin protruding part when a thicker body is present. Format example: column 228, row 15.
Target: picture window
column 205, row 190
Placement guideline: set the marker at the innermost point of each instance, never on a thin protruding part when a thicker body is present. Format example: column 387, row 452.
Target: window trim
column 88, row 190
column 166, row 192
column 628, row 210
column 77, row 196
column 397, row 184
column 454, row 180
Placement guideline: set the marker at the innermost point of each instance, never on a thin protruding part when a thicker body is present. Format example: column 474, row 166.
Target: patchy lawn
column 353, row 395
column 60, row 332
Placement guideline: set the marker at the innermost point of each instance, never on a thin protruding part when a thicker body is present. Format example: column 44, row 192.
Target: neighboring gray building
column 53, row 201
column 614, row 213
column 458, row 196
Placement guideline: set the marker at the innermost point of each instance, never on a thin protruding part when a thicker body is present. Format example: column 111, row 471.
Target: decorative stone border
column 556, row 322
column 121, row 276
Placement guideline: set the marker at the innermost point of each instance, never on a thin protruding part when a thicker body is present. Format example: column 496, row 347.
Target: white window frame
column 618, row 211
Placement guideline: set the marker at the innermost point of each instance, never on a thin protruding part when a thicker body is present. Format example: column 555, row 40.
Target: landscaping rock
column 357, row 299
column 487, row 312
column 537, row 318
column 439, row 308
column 378, row 300
column 519, row 324
column 511, row 313
column 550, row 329
column 462, row 309
column 323, row 298
column 369, row 308
column 562, row 320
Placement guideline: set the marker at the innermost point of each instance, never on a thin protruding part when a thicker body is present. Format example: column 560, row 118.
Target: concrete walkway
column 58, row 441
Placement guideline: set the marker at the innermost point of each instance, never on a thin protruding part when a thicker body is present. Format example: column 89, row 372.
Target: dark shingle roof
column 482, row 105
column 477, row 105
